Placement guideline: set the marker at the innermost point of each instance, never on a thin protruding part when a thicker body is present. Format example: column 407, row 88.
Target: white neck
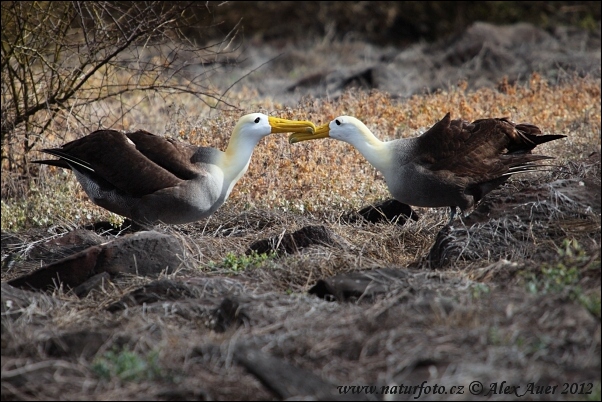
column 374, row 150
column 235, row 161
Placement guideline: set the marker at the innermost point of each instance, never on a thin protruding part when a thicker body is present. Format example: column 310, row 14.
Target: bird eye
column 257, row 120
column 337, row 122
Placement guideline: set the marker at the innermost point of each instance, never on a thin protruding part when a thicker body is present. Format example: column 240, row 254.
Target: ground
column 503, row 304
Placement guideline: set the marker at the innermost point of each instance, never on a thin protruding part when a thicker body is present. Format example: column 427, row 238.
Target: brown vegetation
column 498, row 317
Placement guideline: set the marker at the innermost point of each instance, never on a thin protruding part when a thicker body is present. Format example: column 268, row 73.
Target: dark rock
column 83, row 343
column 389, row 210
column 293, row 242
column 92, row 283
column 141, row 253
column 353, row 286
column 68, row 244
column 182, row 394
column 227, row 314
column 310, row 80
column 365, row 79
column 288, row 381
column 508, row 220
column 161, row 290
column 71, row 271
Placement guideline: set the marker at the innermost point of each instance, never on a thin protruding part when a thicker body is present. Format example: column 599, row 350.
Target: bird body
column 152, row 179
column 453, row 164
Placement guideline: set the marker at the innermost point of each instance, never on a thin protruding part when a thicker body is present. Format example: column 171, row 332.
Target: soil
column 502, row 304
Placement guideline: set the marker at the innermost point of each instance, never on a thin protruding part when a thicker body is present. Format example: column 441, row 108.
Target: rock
column 389, row 210
column 68, row 244
column 352, row 286
column 83, row 343
column 483, row 55
column 228, row 313
column 287, row 381
column 92, row 283
column 509, row 221
column 146, row 253
column 161, row 290
column 294, row 242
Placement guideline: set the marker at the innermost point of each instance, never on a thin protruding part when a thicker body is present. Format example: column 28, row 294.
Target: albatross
column 151, row 179
column 454, row 164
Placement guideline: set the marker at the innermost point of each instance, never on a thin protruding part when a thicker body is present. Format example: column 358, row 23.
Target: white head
column 255, row 126
column 343, row 128
column 354, row 132
column 346, row 128
column 248, row 131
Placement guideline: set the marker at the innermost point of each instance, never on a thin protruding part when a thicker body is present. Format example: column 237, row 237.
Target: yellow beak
column 291, row 126
column 321, row 132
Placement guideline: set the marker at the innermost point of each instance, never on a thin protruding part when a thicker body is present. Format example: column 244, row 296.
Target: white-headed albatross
column 151, row 179
column 453, row 164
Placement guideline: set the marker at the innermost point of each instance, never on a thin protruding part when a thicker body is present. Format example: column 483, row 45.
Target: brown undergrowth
column 325, row 175
column 520, row 302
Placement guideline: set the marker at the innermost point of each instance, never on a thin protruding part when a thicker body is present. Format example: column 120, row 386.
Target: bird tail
column 528, row 137
column 66, row 161
column 54, row 162
column 521, row 163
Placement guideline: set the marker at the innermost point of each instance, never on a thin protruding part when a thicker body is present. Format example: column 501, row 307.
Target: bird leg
column 134, row 226
column 452, row 214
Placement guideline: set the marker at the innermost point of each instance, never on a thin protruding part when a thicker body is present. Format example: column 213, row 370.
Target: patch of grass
column 60, row 200
column 479, row 290
column 238, row 263
column 537, row 345
column 127, row 366
column 494, row 337
column 564, row 276
column 596, row 393
column 591, row 302
column 555, row 278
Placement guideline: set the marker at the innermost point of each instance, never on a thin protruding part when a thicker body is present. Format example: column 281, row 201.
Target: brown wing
column 171, row 155
column 483, row 149
column 120, row 163
column 454, row 143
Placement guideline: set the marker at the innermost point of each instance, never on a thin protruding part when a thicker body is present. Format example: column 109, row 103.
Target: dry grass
column 319, row 176
column 496, row 317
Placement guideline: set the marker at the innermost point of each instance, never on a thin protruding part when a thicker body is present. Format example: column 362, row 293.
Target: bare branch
column 61, row 60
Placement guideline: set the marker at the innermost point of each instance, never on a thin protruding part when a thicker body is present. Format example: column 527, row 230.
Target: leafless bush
column 63, row 62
